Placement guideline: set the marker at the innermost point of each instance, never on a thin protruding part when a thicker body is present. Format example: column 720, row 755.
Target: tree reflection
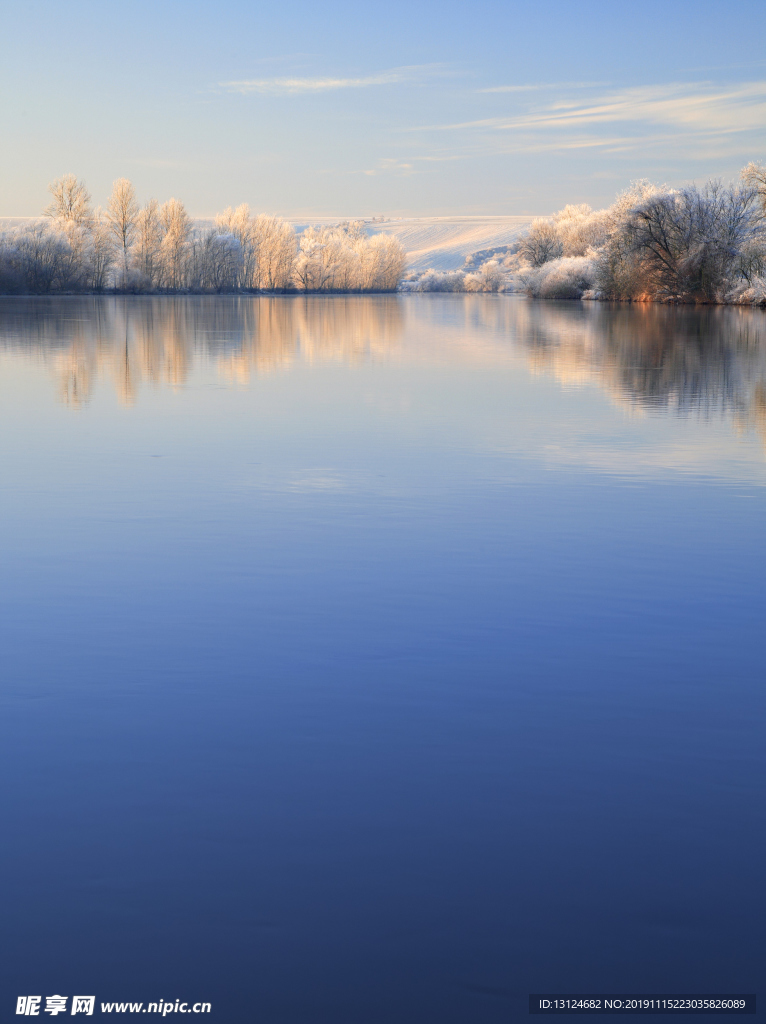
column 155, row 341
column 709, row 361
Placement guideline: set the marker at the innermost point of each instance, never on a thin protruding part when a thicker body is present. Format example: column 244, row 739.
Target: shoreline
column 396, row 292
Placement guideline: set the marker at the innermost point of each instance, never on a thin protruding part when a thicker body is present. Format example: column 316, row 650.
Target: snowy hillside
column 444, row 242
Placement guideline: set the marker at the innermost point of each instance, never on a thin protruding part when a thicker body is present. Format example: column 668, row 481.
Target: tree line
column 695, row 244
column 158, row 248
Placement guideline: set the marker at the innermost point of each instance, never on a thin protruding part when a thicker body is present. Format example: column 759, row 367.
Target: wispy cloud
column 700, row 121
column 698, row 107
column 660, row 145
column 541, row 86
column 296, row 86
column 390, row 166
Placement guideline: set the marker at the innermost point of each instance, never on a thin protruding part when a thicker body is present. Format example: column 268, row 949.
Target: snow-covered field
column 444, row 242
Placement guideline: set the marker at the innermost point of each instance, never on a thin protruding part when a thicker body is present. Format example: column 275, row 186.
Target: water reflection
column 709, row 362
column 156, row 340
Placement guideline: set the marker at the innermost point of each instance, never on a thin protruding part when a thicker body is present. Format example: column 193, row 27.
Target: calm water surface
column 380, row 659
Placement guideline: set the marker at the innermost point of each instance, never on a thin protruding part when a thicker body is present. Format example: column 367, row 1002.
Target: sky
column 397, row 109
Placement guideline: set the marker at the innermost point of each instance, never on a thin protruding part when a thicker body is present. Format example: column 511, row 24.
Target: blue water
column 380, row 659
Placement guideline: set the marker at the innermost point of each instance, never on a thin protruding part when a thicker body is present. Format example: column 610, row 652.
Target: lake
column 381, row 659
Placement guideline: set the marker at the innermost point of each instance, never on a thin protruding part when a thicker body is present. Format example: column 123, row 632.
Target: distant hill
column 444, row 242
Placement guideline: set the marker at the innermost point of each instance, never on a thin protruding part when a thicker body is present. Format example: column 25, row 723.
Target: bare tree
column 174, row 249
column 541, row 243
column 215, row 262
column 344, row 258
column 122, row 215
column 102, row 251
column 579, row 229
column 689, row 241
column 381, row 262
column 276, row 251
column 158, row 246
column 71, row 201
column 754, row 175
column 241, row 225
column 148, row 242
column 45, row 258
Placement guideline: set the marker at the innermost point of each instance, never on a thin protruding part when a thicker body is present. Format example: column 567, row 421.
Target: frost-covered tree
column 579, row 228
column 541, row 243
column 71, row 201
column 122, row 215
column 267, row 247
column 383, row 262
column 159, row 247
column 754, row 176
column 656, row 243
column 148, row 242
column 241, row 226
column 617, row 269
column 344, row 258
column 275, row 251
column 315, row 265
column 45, row 259
column 689, row 241
column 42, row 257
column 215, row 262
column 102, row 251
column 71, row 213
column 176, row 227
column 751, row 263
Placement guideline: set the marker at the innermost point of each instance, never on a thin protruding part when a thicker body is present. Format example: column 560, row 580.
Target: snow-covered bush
column 565, row 278
column 438, row 281
column 749, row 293
column 488, row 277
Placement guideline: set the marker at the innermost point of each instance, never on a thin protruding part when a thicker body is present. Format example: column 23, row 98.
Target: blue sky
column 355, row 109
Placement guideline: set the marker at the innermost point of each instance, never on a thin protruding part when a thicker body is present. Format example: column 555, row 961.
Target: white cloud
column 296, row 86
column 390, row 165
column 698, row 107
column 704, row 121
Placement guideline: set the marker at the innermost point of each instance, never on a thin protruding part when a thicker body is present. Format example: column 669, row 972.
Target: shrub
column 565, row 278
